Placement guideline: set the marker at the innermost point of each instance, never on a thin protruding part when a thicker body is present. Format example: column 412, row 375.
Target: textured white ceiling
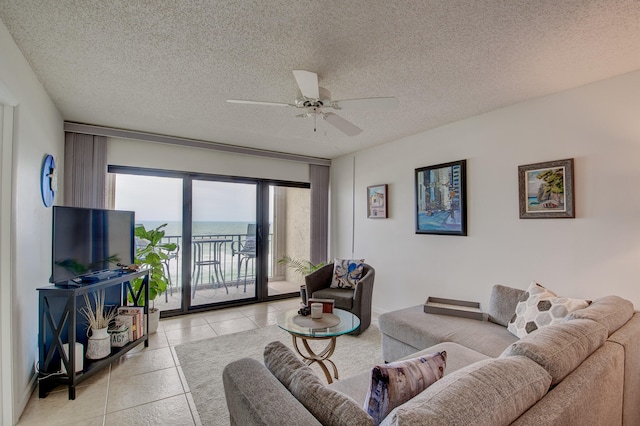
column 167, row 67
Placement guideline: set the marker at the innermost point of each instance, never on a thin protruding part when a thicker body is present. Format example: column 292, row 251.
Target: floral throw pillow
column 347, row 273
column 540, row 307
column 395, row 383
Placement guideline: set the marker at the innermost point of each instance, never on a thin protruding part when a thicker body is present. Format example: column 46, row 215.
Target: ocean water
column 229, row 262
column 174, row 228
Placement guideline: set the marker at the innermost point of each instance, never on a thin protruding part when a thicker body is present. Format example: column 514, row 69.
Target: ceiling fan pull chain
column 315, row 117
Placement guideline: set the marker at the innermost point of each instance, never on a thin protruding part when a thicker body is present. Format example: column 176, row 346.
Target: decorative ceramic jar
column 119, row 335
column 316, row 310
column 99, row 345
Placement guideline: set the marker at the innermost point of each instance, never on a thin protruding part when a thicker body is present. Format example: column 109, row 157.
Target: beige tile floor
column 207, row 295
column 146, row 386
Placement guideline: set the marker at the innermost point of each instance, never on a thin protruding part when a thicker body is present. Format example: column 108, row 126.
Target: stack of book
column 132, row 317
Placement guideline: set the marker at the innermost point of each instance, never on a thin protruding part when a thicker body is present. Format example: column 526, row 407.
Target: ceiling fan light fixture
column 314, row 98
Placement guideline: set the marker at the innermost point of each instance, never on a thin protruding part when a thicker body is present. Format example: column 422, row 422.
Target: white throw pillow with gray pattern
column 539, row 308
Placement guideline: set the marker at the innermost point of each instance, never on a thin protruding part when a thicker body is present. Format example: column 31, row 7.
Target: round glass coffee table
column 303, row 329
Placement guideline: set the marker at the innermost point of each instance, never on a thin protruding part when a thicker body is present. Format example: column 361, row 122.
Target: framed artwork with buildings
column 377, row 202
column 546, row 190
column 441, row 199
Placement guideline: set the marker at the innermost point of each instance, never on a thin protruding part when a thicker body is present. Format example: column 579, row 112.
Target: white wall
column 595, row 254
column 38, row 130
column 126, row 152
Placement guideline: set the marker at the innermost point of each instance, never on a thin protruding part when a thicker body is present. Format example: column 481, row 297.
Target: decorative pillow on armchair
column 395, row 383
column 539, row 308
column 347, row 273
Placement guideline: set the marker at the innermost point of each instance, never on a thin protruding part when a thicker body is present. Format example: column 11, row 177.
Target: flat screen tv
column 89, row 241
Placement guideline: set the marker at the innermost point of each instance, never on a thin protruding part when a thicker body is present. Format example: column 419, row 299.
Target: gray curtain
column 319, row 178
column 85, row 170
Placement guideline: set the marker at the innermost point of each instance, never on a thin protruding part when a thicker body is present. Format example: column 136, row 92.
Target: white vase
column 99, row 344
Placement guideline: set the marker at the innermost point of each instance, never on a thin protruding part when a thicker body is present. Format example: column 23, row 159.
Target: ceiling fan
column 315, row 100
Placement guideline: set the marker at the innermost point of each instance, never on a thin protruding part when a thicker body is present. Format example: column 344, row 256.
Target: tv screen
column 87, row 241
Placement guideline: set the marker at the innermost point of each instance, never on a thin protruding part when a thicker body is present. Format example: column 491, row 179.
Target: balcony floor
column 207, row 294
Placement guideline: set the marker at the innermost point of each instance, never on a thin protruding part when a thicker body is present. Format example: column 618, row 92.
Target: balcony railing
column 226, row 261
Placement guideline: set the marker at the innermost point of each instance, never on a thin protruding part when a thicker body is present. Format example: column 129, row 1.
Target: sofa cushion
column 592, row 395
column 490, row 392
column 420, row 330
column 329, row 406
column 282, row 362
column 395, row 383
column 502, row 303
column 610, row 311
column 562, row 347
column 540, row 307
column 245, row 381
column 346, row 273
column 457, row 355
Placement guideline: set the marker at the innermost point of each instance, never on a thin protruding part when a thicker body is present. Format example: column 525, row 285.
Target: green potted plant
column 302, row 267
column 150, row 254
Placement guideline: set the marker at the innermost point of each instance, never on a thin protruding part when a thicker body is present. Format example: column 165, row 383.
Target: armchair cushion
column 347, row 273
column 342, row 296
column 357, row 300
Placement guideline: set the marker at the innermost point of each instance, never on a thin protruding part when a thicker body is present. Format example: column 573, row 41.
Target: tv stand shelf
column 58, row 324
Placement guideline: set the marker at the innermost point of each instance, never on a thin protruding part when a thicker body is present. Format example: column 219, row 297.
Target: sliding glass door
column 231, row 234
column 224, row 242
column 157, row 202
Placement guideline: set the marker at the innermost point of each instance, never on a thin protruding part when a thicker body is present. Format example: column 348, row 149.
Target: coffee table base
column 321, row 357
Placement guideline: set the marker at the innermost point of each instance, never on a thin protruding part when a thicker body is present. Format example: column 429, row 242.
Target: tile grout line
column 106, row 400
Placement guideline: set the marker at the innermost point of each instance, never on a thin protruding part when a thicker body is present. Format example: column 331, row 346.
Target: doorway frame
column 7, row 248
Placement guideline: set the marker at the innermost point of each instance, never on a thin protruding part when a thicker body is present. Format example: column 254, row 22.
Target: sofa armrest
column 255, row 397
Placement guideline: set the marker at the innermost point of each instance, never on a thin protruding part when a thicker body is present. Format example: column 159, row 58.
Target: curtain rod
column 172, row 140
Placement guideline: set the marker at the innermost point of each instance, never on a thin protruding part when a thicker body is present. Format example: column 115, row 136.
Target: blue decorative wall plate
column 48, row 181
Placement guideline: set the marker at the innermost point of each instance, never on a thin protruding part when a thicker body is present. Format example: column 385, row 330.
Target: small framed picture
column 546, row 190
column 377, row 202
column 441, row 199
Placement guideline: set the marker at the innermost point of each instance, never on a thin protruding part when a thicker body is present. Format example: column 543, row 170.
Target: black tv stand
column 58, row 324
column 91, row 278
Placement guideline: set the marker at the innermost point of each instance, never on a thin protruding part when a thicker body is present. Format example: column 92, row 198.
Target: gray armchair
column 357, row 301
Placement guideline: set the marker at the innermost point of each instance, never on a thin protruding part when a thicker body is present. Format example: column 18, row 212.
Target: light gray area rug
column 202, row 362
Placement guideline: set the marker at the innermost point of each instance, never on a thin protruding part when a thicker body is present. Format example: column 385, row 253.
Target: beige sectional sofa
column 582, row 371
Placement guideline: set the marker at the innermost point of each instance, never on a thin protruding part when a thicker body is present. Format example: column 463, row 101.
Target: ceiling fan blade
column 308, row 83
column 240, row 101
column 367, row 103
column 346, row 127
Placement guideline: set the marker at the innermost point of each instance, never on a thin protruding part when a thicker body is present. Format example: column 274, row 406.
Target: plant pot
column 99, row 344
column 153, row 320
